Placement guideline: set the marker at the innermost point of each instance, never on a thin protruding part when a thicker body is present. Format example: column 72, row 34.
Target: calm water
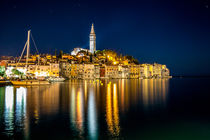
column 108, row 109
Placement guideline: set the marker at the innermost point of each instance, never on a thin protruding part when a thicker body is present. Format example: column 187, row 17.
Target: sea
column 141, row 109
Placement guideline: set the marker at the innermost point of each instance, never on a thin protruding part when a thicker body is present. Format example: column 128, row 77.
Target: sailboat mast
column 28, row 47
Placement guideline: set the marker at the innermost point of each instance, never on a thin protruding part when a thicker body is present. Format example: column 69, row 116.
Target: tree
column 2, row 71
column 135, row 61
column 98, row 52
column 17, row 72
column 91, row 58
column 129, row 57
column 60, row 54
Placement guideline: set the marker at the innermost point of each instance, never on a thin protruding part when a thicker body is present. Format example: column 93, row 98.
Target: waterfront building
column 157, row 70
column 123, row 71
column 154, row 71
column 65, row 69
column 102, row 71
column 141, row 69
column 72, row 71
column 69, row 70
column 165, row 73
column 20, row 64
column 44, row 70
column 111, row 71
column 97, row 71
column 3, row 63
column 80, row 71
column 89, row 71
column 134, row 71
column 4, row 60
column 148, row 71
column 93, row 71
column 76, row 71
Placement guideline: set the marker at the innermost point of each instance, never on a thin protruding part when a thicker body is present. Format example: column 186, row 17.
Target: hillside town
column 80, row 64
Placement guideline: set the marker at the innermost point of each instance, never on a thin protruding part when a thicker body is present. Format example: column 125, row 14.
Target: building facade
column 111, row 71
column 51, row 70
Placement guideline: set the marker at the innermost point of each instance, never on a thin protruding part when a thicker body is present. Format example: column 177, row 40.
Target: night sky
column 173, row 32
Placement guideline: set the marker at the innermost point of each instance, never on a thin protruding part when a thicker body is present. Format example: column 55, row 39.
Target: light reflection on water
column 92, row 116
column 86, row 102
column 9, row 110
column 112, row 111
column 154, row 92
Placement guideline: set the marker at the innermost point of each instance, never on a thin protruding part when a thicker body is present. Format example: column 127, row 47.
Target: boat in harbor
column 29, row 82
column 56, row 79
column 4, row 82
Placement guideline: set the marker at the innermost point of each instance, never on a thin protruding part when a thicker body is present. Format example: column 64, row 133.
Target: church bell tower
column 92, row 40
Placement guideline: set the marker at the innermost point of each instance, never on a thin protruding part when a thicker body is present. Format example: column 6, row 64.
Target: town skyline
column 162, row 37
column 104, row 69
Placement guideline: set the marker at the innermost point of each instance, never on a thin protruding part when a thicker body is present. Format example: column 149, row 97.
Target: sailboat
column 28, row 82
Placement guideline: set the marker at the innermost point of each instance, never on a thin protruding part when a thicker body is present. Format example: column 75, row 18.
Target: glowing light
column 92, row 122
column 20, row 96
column 41, row 74
column 154, row 92
column 122, row 95
column 109, row 109
column 116, row 111
column 145, row 89
column 9, row 98
column 20, row 104
column 72, row 107
column 79, row 110
column 112, row 112
column 9, row 109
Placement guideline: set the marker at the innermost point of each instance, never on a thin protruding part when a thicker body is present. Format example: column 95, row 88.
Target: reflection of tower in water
column 92, row 116
column 83, row 105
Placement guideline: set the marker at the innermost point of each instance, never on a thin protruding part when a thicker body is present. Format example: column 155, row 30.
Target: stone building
column 134, row 71
column 111, row 71
column 44, row 70
column 123, row 72
column 89, row 71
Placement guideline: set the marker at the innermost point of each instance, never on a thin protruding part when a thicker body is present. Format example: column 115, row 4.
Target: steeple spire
column 92, row 29
column 92, row 40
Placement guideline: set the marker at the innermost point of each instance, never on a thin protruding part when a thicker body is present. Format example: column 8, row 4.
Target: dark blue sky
column 173, row 32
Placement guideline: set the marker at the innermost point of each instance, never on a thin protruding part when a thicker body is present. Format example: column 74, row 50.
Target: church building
column 92, row 40
column 92, row 46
